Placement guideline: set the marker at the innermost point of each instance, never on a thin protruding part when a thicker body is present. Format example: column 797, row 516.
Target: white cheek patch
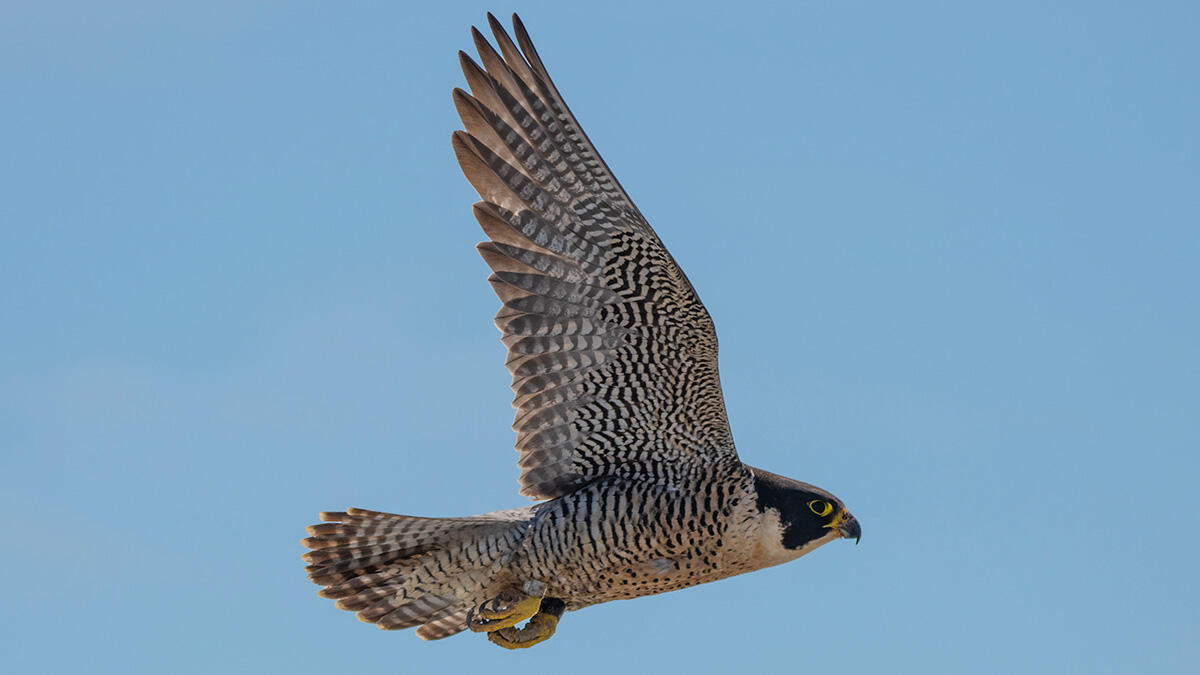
column 771, row 548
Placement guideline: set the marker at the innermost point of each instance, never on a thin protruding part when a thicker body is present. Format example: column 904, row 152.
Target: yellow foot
column 505, row 610
column 539, row 629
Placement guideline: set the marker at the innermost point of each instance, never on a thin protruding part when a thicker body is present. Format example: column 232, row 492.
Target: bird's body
column 617, row 539
column 620, row 419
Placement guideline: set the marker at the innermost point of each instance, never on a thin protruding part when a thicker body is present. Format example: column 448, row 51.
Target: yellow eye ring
column 820, row 507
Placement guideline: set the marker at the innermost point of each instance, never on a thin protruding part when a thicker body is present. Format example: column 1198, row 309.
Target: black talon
column 553, row 606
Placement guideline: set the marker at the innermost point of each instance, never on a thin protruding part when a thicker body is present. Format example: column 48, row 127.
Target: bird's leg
column 539, row 629
column 510, row 608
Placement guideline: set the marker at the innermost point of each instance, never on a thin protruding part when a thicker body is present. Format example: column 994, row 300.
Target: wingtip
column 481, row 42
column 494, row 23
column 525, row 41
column 459, row 140
column 461, row 98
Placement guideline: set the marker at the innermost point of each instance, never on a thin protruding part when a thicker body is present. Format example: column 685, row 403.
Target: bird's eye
column 820, row 507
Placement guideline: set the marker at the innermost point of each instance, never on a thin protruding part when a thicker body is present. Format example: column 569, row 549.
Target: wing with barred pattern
column 613, row 356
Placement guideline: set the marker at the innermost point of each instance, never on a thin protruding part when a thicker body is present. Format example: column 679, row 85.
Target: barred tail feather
column 402, row 571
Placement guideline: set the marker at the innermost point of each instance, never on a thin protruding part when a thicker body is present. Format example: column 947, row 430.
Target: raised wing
column 613, row 357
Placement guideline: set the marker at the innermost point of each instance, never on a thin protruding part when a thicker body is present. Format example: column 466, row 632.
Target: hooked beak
column 848, row 528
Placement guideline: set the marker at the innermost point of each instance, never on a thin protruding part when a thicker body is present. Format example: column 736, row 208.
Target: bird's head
column 807, row 516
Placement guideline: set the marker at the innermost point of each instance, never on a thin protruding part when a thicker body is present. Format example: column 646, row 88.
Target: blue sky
column 952, row 251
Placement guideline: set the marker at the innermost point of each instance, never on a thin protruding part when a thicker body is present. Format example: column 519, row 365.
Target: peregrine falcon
column 620, row 421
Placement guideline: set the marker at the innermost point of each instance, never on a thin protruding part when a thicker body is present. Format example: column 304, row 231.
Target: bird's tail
column 403, row 571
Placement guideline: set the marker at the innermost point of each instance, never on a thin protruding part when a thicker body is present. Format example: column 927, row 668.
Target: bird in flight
column 620, row 421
